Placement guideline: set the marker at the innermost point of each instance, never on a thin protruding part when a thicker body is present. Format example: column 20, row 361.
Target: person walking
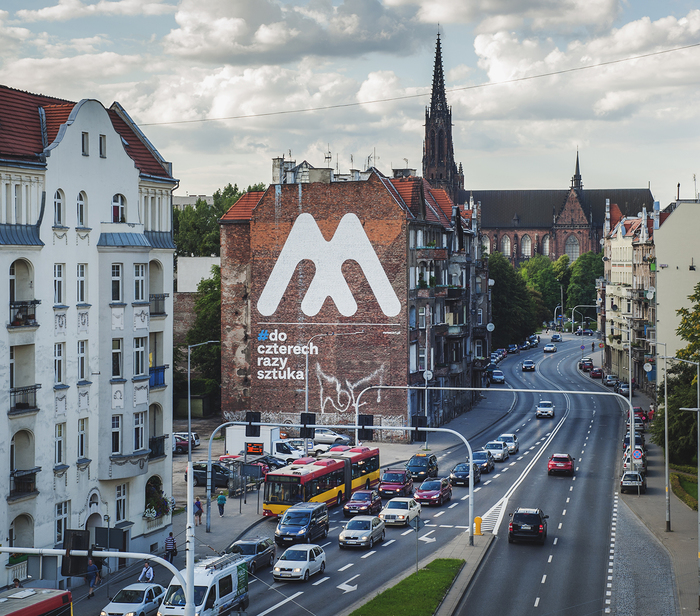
column 170, row 547
column 91, row 578
column 146, row 573
column 198, row 511
column 221, row 501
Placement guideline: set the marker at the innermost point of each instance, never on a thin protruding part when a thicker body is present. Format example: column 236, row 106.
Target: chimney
column 277, row 164
column 657, row 211
column 606, row 227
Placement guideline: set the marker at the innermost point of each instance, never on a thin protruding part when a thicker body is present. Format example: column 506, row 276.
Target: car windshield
column 296, row 518
column 246, row 549
column 631, row 477
column 461, row 468
column 357, row 525
column 418, row 462
column 545, row 405
column 480, row 455
column 505, row 439
column 397, row 505
column 360, row 496
column 560, row 459
column 128, row 596
column 430, row 485
column 526, row 518
column 295, row 555
column 494, row 445
column 497, row 373
column 392, row 477
column 176, row 596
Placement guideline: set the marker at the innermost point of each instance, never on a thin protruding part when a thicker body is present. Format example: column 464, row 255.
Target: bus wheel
column 339, row 500
column 367, row 485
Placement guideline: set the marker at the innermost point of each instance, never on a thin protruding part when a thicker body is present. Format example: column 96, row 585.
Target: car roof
column 563, row 455
column 526, row 510
column 141, row 586
column 495, row 442
column 303, row 546
column 507, row 434
column 401, row 499
column 364, row 517
column 250, row 540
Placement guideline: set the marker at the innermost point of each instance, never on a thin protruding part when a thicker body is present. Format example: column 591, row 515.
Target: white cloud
column 11, row 37
column 73, row 9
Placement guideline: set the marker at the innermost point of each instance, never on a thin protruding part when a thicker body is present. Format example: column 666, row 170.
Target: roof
column 29, row 123
column 20, row 235
column 122, row 240
column 243, row 208
column 416, row 192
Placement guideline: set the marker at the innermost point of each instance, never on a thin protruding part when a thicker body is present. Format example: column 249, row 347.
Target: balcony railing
column 23, row 313
column 23, row 482
column 23, row 398
column 157, row 446
column 157, row 303
column 157, row 376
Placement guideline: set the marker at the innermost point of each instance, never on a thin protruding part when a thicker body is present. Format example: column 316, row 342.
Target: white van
column 220, row 587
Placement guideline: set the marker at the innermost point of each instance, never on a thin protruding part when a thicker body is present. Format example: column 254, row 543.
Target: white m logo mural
column 305, row 241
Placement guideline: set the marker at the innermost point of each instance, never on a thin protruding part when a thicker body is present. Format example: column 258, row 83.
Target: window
column 421, row 318
column 82, row 360
column 58, row 283
column 478, row 287
column 139, row 356
column 58, row 209
column 116, row 282
column 118, row 208
column 103, row 146
column 526, row 246
column 421, row 358
column 413, row 357
column 478, row 348
column 58, row 363
column 86, row 144
column 81, row 275
column 80, row 211
column 121, row 502
column 139, row 431
column 60, row 446
column 82, row 438
column 12, row 367
column 116, row 434
column 505, row 246
column 61, row 520
column 485, row 245
column 545, row 245
column 139, row 282
column 480, row 317
column 572, row 248
column 116, row 357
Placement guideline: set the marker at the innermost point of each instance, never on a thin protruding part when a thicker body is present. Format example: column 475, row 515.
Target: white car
column 497, row 376
column 299, row 563
column 136, row 599
column 545, row 409
column 499, row 450
column 400, row 511
column 183, row 436
column 512, row 441
column 550, row 348
column 298, row 443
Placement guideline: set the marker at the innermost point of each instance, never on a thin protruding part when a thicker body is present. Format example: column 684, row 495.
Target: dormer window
column 118, row 208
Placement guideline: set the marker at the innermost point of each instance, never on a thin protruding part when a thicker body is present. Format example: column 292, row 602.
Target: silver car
column 362, row 531
column 135, row 599
column 512, row 441
column 326, row 435
column 498, row 449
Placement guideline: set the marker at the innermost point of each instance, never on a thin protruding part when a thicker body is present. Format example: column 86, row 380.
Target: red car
column 396, row 482
column 560, row 463
column 363, row 502
column 597, row 373
column 586, row 366
column 434, row 491
column 640, row 412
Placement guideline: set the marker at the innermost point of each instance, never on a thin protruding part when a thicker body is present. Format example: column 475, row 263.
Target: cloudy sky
column 223, row 86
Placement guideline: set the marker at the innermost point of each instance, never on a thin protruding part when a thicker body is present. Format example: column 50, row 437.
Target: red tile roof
column 243, row 208
column 414, row 189
column 21, row 129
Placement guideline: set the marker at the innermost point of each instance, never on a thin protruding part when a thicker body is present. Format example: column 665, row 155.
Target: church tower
column 439, row 166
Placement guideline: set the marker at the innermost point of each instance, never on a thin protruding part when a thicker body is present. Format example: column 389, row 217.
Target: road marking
column 346, row 567
column 544, row 579
column 386, row 543
column 512, row 463
column 555, row 540
column 446, row 525
column 407, row 532
column 520, row 458
column 549, row 560
column 564, row 512
column 453, row 505
column 320, row 581
column 487, row 482
column 537, row 601
column 571, row 488
column 437, row 515
column 369, row 554
column 466, row 497
column 560, row 525
column 323, row 545
column 497, row 476
column 345, row 586
column 568, row 499
column 274, row 607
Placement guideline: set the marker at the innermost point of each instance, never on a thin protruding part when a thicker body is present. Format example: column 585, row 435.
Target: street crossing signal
column 306, row 419
column 75, row 566
column 250, row 429
column 365, row 433
column 419, row 421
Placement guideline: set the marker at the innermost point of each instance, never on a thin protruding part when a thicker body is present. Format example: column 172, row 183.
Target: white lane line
column 555, row 540
column 568, row 499
column 325, row 545
column 384, row 544
column 549, row 560
column 406, row 532
column 512, row 463
column 453, row 505
column 369, row 554
column 487, row 482
column 520, row 458
column 564, row 512
column 544, row 579
column 560, row 525
column 437, row 515
column 497, row 476
column 537, row 601
column 274, row 607
column 348, row 565
column 446, row 525
column 320, row 581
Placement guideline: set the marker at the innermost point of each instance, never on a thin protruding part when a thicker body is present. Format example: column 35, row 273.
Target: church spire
column 576, row 182
column 438, row 101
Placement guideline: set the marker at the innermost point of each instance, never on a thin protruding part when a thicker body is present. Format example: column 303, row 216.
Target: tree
column 539, row 274
column 581, row 290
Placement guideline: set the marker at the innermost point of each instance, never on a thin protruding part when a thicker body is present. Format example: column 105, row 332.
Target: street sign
column 583, row 347
column 637, row 455
column 490, row 327
column 601, row 345
column 648, row 367
column 428, row 375
column 417, row 523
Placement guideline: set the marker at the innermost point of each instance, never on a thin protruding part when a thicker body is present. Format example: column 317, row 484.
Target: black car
column 527, row 524
column 513, row 348
column 258, row 552
column 271, row 461
column 219, row 474
column 459, row 475
column 484, row 460
column 423, row 465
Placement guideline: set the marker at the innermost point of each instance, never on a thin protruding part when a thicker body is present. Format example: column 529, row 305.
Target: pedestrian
column 170, row 547
column 221, row 501
column 198, row 511
column 650, row 414
column 592, row 347
column 146, row 573
column 91, row 578
column 16, row 583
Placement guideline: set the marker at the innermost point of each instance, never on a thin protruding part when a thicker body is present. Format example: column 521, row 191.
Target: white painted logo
column 350, row 242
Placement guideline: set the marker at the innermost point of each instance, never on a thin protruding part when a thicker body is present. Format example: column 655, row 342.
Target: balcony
column 157, row 301
column 157, row 446
column 429, row 253
column 23, row 313
column 23, row 482
column 23, row 399
column 157, row 376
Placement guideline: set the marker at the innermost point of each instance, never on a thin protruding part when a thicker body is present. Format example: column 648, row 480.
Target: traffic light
column 365, row 433
column 74, row 566
column 419, row 421
column 306, row 419
column 250, row 429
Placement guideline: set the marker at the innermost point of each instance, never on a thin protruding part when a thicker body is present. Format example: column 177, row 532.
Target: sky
column 221, row 87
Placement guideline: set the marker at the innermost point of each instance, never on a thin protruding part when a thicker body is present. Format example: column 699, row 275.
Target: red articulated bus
column 36, row 602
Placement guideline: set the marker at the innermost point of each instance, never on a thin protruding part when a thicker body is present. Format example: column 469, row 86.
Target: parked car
column 503, row 352
column 587, row 332
column 434, row 491
column 525, row 346
column 180, row 444
column 560, row 463
column 258, row 552
column 544, row 409
column 498, row 449
column 633, row 481
column 596, row 373
column 609, row 380
column 194, row 437
column 556, row 338
column 513, row 349
column 423, row 465
column 495, row 358
column 400, row 511
column 587, row 366
column 396, row 482
column 497, row 376
column 484, row 460
column 638, row 439
column 512, row 441
column 528, row 365
column 584, row 360
column 219, row 474
column 549, row 348
column 299, row 563
column 459, row 475
column 641, row 413
column 527, row 525
column 138, row 599
column 534, row 340
column 330, row 437
column 363, row 502
column 640, row 464
column 362, row 531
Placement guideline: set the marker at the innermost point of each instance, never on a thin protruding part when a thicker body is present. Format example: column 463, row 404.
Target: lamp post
column 189, row 535
column 106, row 518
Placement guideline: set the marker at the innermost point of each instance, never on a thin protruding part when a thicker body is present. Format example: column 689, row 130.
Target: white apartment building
column 86, row 262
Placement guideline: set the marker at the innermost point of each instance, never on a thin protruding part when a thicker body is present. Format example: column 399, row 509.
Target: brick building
column 331, row 284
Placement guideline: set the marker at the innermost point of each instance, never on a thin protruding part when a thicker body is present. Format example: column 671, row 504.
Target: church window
column 545, row 245
column 505, row 245
column 572, row 248
column 441, row 147
column 485, row 246
column 526, row 246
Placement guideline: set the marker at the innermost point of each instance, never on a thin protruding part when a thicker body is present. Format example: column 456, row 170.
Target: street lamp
column 106, row 518
column 189, row 535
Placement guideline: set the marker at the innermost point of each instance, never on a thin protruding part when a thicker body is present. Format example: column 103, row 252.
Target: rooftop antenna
column 695, row 184
column 406, row 161
column 328, row 157
column 352, row 161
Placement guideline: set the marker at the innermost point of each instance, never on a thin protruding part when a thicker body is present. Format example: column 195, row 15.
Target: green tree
column 581, row 290
column 539, row 274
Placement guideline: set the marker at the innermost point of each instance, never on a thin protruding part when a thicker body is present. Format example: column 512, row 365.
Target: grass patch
column 434, row 581
column 686, row 488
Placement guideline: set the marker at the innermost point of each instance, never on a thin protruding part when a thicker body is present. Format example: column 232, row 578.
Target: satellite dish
column 652, row 290
column 647, row 367
column 650, row 295
column 602, row 242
